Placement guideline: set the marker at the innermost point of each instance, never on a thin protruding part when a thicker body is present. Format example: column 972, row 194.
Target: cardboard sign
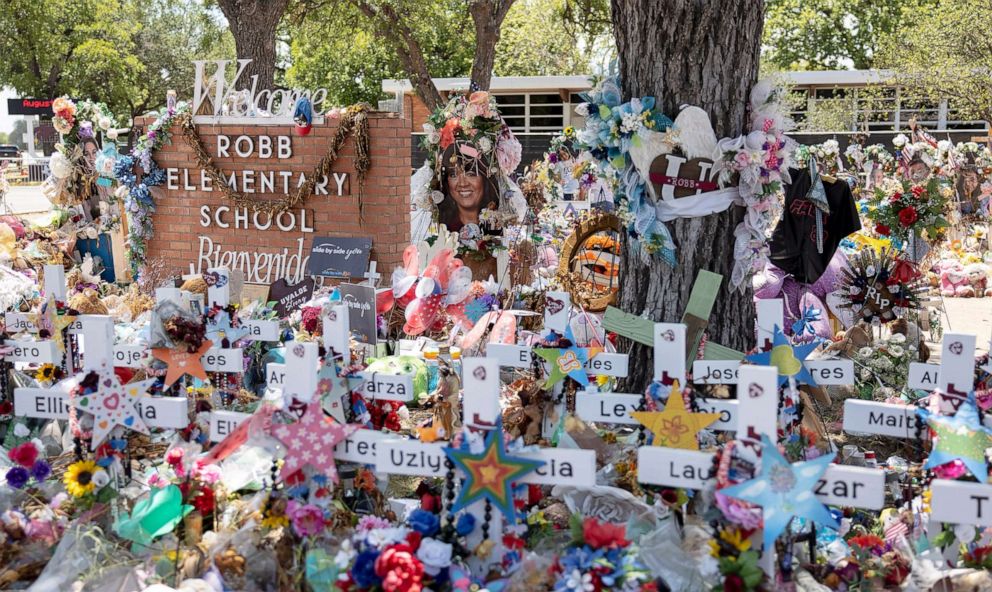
column 341, row 257
column 669, row 351
column 671, row 467
column 924, row 377
column 259, row 330
column 361, row 312
column 132, row 356
column 884, row 419
column 289, row 298
column 224, row 360
column 36, row 352
column 19, row 322
column 409, row 457
column 222, row 423
column 275, row 374
column 158, row 412
column 391, row 387
column 557, row 309
column 855, row 487
column 254, row 293
column 958, row 502
column 563, row 466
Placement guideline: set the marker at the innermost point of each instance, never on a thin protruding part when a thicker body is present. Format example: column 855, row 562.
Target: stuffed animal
column 953, row 279
column 775, row 283
column 978, row 278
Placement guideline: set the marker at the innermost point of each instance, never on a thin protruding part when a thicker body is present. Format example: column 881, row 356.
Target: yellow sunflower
column 735, row 539
column 275, row 520
column 45, row 373
column 78, row 478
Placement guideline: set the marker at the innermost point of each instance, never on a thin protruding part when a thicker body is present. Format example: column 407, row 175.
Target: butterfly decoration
column 803, row 327
column 427, row 298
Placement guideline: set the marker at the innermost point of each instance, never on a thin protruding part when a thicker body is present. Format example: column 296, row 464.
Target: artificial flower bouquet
column 903, row 209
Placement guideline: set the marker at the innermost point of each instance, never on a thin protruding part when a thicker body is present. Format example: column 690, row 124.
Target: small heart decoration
column 554, row 305
column 112, row 402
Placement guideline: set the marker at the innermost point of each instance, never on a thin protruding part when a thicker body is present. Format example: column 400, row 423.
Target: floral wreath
column 473, row 128
column 860, row 156
column 759, row 160
column 880, row 286
column 70, row 182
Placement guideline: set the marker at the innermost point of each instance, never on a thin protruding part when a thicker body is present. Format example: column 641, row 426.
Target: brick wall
column 179, row 233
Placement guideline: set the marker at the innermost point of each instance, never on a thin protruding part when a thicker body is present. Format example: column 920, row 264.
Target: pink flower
column 208, row 473
column 157, row 481
column 479, row 101
column 368, row 522
column 951, row 470
column 308, row 519
column 174, row 456
column 742, row 160
column 508, row 152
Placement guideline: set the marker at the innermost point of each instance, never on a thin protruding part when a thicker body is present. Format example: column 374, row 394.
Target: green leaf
column 106, row 494
column 575, row 528
column 605, row 112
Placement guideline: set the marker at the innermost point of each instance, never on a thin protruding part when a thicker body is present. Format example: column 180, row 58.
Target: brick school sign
column 196, row 224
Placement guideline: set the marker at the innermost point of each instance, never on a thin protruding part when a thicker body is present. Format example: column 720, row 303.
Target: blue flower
column 424, row 522
column 465, row 524
column 17, row 477
column 363, row 572
column 40, row 470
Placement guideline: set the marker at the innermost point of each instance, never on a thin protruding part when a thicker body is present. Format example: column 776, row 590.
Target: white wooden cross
column 97, row 346
column 480, row 385
column 371, row 277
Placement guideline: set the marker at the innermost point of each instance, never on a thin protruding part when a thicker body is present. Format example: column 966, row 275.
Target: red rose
column 24, row 454
column 448, row 132
column 882, row 229
column 895, row 197
column 603, row 534
column 733, row 583
column 908, row 215
column 917, row 191
column 399, row 569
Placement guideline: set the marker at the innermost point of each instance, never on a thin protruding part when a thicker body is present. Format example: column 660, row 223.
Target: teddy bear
column 954, row 281
column 978, row 274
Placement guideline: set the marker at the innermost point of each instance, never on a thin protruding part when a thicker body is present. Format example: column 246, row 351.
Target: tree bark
column 253, row 25
column 689, row 52
column 488, row 16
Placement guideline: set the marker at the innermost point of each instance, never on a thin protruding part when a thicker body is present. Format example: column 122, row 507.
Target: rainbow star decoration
column 311, row 440
column 47, row 319
column 961, row 436
column 676, row 426
column 490, row 474
column 788, row 358
column 784, row 491
column 567, row 361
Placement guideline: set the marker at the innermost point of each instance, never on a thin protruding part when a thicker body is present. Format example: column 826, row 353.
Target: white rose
column 896, row 350
column 865, row 352
column 100, row 478
column 112, row 134
column 485, row 144
column 900, row 140
column 104, row 123
column 21, row 430
column 897, row 338
column 435, row 555
column 865, row 374
column 436, row 196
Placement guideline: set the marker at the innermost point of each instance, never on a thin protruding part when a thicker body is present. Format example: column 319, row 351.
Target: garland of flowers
column 354, row 122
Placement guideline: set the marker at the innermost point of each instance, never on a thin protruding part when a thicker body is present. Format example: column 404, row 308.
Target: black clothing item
column 793, row 244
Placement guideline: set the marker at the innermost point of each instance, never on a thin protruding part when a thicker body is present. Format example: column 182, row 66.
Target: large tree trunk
column 253, row 25
column 703, row 53
column 487, row 15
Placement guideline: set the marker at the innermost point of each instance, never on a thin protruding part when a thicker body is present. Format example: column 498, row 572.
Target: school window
column 534, row 112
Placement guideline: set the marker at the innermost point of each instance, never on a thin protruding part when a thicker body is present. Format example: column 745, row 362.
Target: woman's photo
column 467, row 190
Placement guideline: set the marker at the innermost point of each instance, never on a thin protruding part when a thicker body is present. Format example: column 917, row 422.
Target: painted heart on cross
column 553, row 305
column 112, row 402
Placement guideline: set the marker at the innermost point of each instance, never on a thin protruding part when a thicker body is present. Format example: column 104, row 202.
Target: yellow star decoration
column 676, row 426
column 48, row 319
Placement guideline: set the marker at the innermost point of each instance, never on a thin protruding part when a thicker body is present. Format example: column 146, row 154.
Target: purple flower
column 17, row 477
column 363, row 571
column 40, row 470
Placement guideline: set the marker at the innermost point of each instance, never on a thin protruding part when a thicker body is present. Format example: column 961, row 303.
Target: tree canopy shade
column 830, row 34
column 944, row 52
column 125, row 53
column 702, row 53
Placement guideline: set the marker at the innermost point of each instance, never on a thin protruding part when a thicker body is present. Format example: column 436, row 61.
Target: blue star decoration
column 219, row 328
column 784, row 491
column 959, row 437
column 567, row 361
column 788, row 358
column 490, row 474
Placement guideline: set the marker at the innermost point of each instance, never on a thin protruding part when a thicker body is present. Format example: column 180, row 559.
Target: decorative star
column 784, row 490
column 109, row 402
column 47, row 319
column 676, row 426
column 567, row 361
column 959, row 437
column 181, row 361
column 219, row 328
column 334, row 389
column 491, row 473
column 311, row 440
column 788, row 358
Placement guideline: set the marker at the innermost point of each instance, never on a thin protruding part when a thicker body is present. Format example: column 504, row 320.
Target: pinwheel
column 440, row 290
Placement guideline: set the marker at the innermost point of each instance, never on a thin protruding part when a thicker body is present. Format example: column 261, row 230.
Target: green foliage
column 828, row 34
column 536, row 42
column 124, row 53
column 334, row 46
column 944, row 52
